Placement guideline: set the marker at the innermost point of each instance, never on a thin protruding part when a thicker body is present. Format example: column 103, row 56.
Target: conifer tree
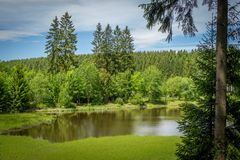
column 198, row 121
column 19, row 91
column 127, row 48
column 97, row 42
column 163, row 13
column 68, row 40
column 106, row 47
column 117, row 40
column 52, row 46
column 117, row 53
column 97, row 39
column 4, row 96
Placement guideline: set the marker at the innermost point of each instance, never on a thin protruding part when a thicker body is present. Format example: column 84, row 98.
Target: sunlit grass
column 106, row 148
column 10, row 121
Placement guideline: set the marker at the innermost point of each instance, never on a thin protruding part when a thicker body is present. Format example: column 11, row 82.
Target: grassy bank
column 112, row 148
column 174, row 104
column 11, row 121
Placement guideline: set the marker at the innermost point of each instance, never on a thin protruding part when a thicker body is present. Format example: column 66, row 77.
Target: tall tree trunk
column 220, row 111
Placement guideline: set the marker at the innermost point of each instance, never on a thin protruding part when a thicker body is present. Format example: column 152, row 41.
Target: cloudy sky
column 24, row 24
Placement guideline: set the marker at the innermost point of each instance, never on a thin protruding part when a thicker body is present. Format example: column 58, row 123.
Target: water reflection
column 97, row 124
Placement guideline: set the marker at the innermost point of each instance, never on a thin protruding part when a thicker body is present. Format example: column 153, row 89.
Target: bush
column 137, row 99
column 119, row 101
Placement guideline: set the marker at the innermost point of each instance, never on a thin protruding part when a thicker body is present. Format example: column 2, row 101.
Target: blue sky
column 24, row 24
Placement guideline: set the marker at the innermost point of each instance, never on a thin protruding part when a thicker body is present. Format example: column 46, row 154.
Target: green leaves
column 152, row 83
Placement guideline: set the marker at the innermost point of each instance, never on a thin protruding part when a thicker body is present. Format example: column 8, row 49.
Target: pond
column 72, row 126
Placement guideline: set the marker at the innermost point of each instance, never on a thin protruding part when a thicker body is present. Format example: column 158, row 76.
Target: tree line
column 113, row 73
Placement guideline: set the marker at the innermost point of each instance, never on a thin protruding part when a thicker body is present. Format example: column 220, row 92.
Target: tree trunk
column 220, row 111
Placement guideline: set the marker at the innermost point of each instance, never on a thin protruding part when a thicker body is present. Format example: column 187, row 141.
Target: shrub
column 137, row 99
column 119, row 101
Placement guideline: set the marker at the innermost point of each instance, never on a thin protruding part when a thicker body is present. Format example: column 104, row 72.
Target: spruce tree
column 97, row 39
column 52, row 46
column 97, row 42
column 4, row 96
column 68, row 40
column 117, row 39
column 106, row 47
column 19, row 91
column 197, row 124
column 164, row 13
column 117, row 54
column 127, row 48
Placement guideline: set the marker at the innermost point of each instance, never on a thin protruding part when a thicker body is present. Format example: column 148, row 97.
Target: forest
column 114, row 73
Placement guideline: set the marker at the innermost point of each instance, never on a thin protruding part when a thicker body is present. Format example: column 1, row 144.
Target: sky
column 24, row 25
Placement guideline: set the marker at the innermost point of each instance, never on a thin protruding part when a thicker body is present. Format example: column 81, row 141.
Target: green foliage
column 40, row 89
column 68, row 40
column 137, row 99
column 170, row 63
column 52, row 46
column 61, row 44
column 198, row 121
column 56, row 81
column 121, row 86
column 180, row 87
column 127, row 48
column 152, row 83
column 19, row 91
column 119, row 101
column 97, row 41
column 113, row 49
column 84, row 84
column 105, row 79
column 65, row 99
column 104, row 60
column 4, row 95
column 87, row 84
column 196, row 126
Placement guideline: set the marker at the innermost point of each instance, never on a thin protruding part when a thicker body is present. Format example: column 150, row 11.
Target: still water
column 74, row 126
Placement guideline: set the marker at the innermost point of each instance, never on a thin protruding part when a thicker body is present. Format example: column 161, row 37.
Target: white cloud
column 146, row 38
column 13, row 35
column 22, row 18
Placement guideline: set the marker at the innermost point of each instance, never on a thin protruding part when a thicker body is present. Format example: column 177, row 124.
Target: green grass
column 106, row 148
column 86, row 108
column 11, row 121
column 171, row 104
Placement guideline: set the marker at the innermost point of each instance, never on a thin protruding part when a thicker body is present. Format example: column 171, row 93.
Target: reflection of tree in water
column 96, row 124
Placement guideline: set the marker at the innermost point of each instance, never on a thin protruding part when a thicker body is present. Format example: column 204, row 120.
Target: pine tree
column 106, row 48
column 127, row 41
column 97, row 42
column 97, row 39
column 117, row 40
column 19, row 91
column 4, row 96
column 52, row 46
column 117, row 54
column 163, row 13
column 68, row 40
column 198, row 121
column 127, row 48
